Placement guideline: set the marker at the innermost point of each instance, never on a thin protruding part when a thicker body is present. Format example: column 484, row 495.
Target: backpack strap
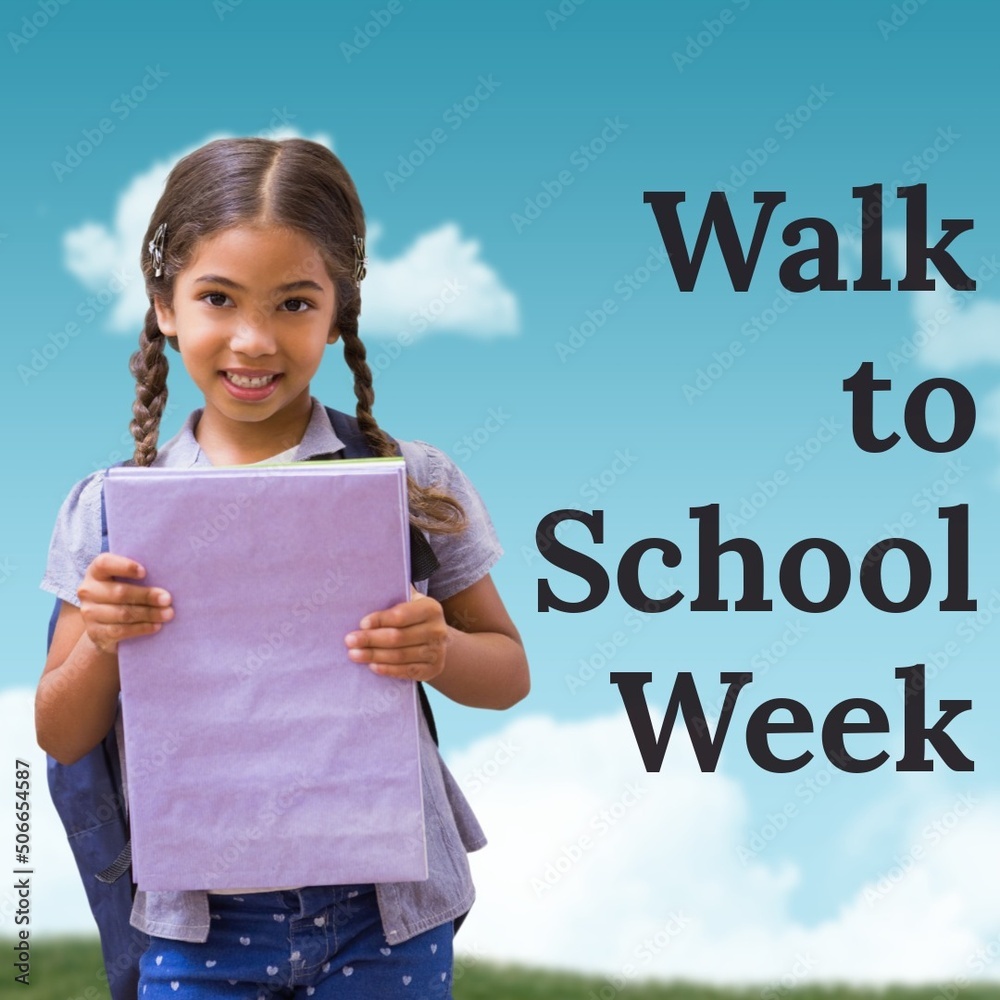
column 119, row 866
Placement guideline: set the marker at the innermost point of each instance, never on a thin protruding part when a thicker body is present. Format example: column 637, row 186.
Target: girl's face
column 252, row 313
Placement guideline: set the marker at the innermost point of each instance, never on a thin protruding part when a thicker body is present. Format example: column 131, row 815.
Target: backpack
column 89, row 798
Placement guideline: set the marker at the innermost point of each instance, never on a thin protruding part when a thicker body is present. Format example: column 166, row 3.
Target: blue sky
column 505, row 150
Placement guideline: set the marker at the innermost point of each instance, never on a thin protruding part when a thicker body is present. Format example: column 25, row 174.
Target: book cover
column 247, row 701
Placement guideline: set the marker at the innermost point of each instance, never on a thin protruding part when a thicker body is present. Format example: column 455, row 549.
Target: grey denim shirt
column 407, row 908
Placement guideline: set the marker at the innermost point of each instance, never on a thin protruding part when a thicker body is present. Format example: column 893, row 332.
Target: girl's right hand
column 113, row 610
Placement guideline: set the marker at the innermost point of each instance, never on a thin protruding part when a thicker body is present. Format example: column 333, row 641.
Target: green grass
column 61, row 969
column 70, row 969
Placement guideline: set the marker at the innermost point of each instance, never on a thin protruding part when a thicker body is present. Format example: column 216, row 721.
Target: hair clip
column 360, row 260
column 156, row 248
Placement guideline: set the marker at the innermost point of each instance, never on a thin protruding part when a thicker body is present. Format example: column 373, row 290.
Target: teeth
column 249, row 383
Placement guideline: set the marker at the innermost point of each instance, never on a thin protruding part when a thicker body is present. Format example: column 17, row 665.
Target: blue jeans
column 320, row 942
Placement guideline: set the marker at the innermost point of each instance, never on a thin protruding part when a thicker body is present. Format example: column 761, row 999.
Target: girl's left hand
column 407, row 640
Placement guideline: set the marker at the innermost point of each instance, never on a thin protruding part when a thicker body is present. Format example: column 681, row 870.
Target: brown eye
column 306, row 306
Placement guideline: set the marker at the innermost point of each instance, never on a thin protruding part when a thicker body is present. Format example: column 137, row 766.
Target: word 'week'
column 762, row 725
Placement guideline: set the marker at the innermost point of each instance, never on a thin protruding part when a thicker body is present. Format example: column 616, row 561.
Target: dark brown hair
column 292, row 183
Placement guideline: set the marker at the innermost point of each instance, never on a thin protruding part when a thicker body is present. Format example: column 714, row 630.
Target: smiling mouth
column 248, row 382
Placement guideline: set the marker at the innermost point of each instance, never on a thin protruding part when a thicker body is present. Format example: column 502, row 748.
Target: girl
column 253, row 262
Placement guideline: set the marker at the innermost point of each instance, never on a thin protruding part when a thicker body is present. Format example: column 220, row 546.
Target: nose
column 252, row 336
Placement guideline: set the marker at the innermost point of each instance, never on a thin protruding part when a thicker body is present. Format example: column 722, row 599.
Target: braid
column 430, row 509
column 355, row 354
column 149, row 366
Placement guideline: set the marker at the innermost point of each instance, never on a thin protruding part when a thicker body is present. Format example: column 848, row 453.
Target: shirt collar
column 183, row 450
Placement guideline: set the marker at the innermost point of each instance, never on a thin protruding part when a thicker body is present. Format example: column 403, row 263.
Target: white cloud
column 438, row 283
column 955, row 330
column 595, row 865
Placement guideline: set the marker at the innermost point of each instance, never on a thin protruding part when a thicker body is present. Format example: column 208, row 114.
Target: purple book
column 258, row 754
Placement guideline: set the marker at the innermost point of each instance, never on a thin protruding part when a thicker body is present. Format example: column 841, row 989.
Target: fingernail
column 163, row 598
column 351, row 638
column 366, row 622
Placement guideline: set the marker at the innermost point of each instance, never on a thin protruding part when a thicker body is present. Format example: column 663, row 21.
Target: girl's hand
column 112, row 610
column 407, row 640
